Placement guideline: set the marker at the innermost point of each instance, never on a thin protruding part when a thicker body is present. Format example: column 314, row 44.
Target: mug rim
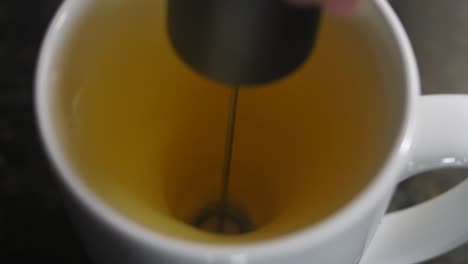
column 72, row 11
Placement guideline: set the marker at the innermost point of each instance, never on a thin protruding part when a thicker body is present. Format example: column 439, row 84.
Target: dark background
column 33, row 224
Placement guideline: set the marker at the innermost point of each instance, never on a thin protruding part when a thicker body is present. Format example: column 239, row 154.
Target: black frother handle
column 242, row 42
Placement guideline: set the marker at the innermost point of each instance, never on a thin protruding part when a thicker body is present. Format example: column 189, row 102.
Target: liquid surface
column 148, row 135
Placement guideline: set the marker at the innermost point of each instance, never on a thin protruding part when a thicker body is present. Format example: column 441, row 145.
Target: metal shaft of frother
column 243, row 42
column 228, row 157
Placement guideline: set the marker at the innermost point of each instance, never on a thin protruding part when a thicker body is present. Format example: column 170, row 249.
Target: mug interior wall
column 394, row 77
column 64, row 110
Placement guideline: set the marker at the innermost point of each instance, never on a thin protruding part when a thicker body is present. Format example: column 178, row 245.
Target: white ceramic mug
column 428, row 132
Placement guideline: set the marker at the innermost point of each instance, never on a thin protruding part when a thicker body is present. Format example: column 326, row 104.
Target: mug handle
column 434, row 227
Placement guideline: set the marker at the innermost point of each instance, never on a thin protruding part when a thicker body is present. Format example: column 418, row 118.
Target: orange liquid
column 147, row 134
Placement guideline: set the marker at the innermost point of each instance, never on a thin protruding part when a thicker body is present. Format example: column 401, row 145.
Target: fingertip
column 341, row 7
